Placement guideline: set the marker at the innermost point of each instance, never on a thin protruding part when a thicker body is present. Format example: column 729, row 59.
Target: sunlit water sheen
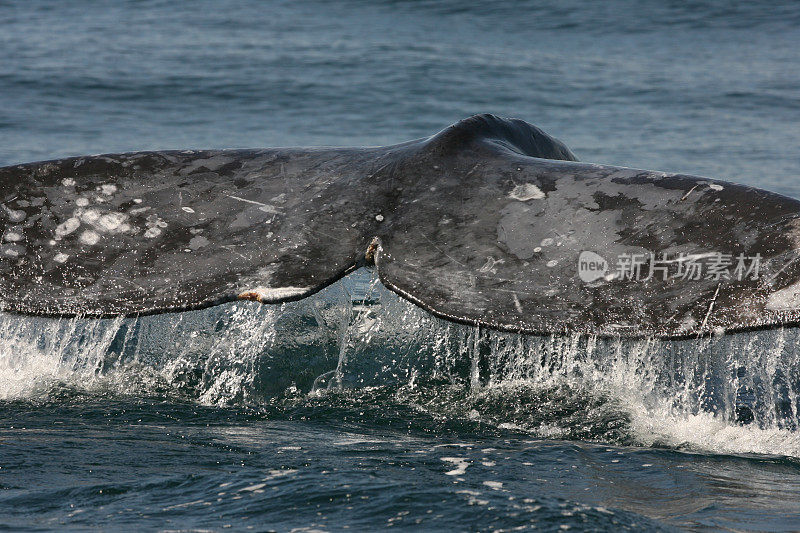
column 325, row 414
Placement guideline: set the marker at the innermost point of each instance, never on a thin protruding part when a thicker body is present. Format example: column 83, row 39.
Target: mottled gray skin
column 482, row 223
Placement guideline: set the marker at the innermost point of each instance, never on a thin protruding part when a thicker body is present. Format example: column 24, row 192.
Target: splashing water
column 726, row 394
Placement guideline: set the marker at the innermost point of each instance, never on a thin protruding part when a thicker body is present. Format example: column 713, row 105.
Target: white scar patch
column 525, row 192
column 517, row 303
column 198, row 241
column 261, row 294
column 15, row 215
column 786, row 299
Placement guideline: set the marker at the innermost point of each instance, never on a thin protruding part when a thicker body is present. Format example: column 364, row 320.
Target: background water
column 325, row 415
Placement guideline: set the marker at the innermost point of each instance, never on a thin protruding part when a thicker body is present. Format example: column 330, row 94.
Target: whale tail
column 489, row 222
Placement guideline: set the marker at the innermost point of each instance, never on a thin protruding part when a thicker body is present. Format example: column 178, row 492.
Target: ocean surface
column 353, row 409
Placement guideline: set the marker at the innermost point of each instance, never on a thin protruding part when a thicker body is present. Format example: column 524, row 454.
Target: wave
column 733, row 394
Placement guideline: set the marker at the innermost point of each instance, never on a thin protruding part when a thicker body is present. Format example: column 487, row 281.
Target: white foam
column 708, row 432
column 661, row 389
column 678, row 394
column 461, row 464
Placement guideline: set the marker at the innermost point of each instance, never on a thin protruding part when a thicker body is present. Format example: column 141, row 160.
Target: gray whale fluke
column 490, row 222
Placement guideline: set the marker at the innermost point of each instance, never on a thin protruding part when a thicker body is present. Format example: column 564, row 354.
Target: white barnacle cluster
column 13, row 237
column 155, row 225
column 12, row 251
column 67, row 227
column 11, row 242
column 90, row 221
column 104, row 193
column 113, row 223
column 93, row 224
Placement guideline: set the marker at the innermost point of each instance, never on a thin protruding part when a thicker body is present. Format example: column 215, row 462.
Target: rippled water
column 325, row 414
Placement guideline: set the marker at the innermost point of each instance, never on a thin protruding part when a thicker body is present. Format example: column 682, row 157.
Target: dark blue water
column 325, row 415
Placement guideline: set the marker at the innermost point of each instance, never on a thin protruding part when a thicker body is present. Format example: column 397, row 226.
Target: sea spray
column 731, row 394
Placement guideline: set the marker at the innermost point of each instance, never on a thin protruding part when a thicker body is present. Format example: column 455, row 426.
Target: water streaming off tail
column 731, row 394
